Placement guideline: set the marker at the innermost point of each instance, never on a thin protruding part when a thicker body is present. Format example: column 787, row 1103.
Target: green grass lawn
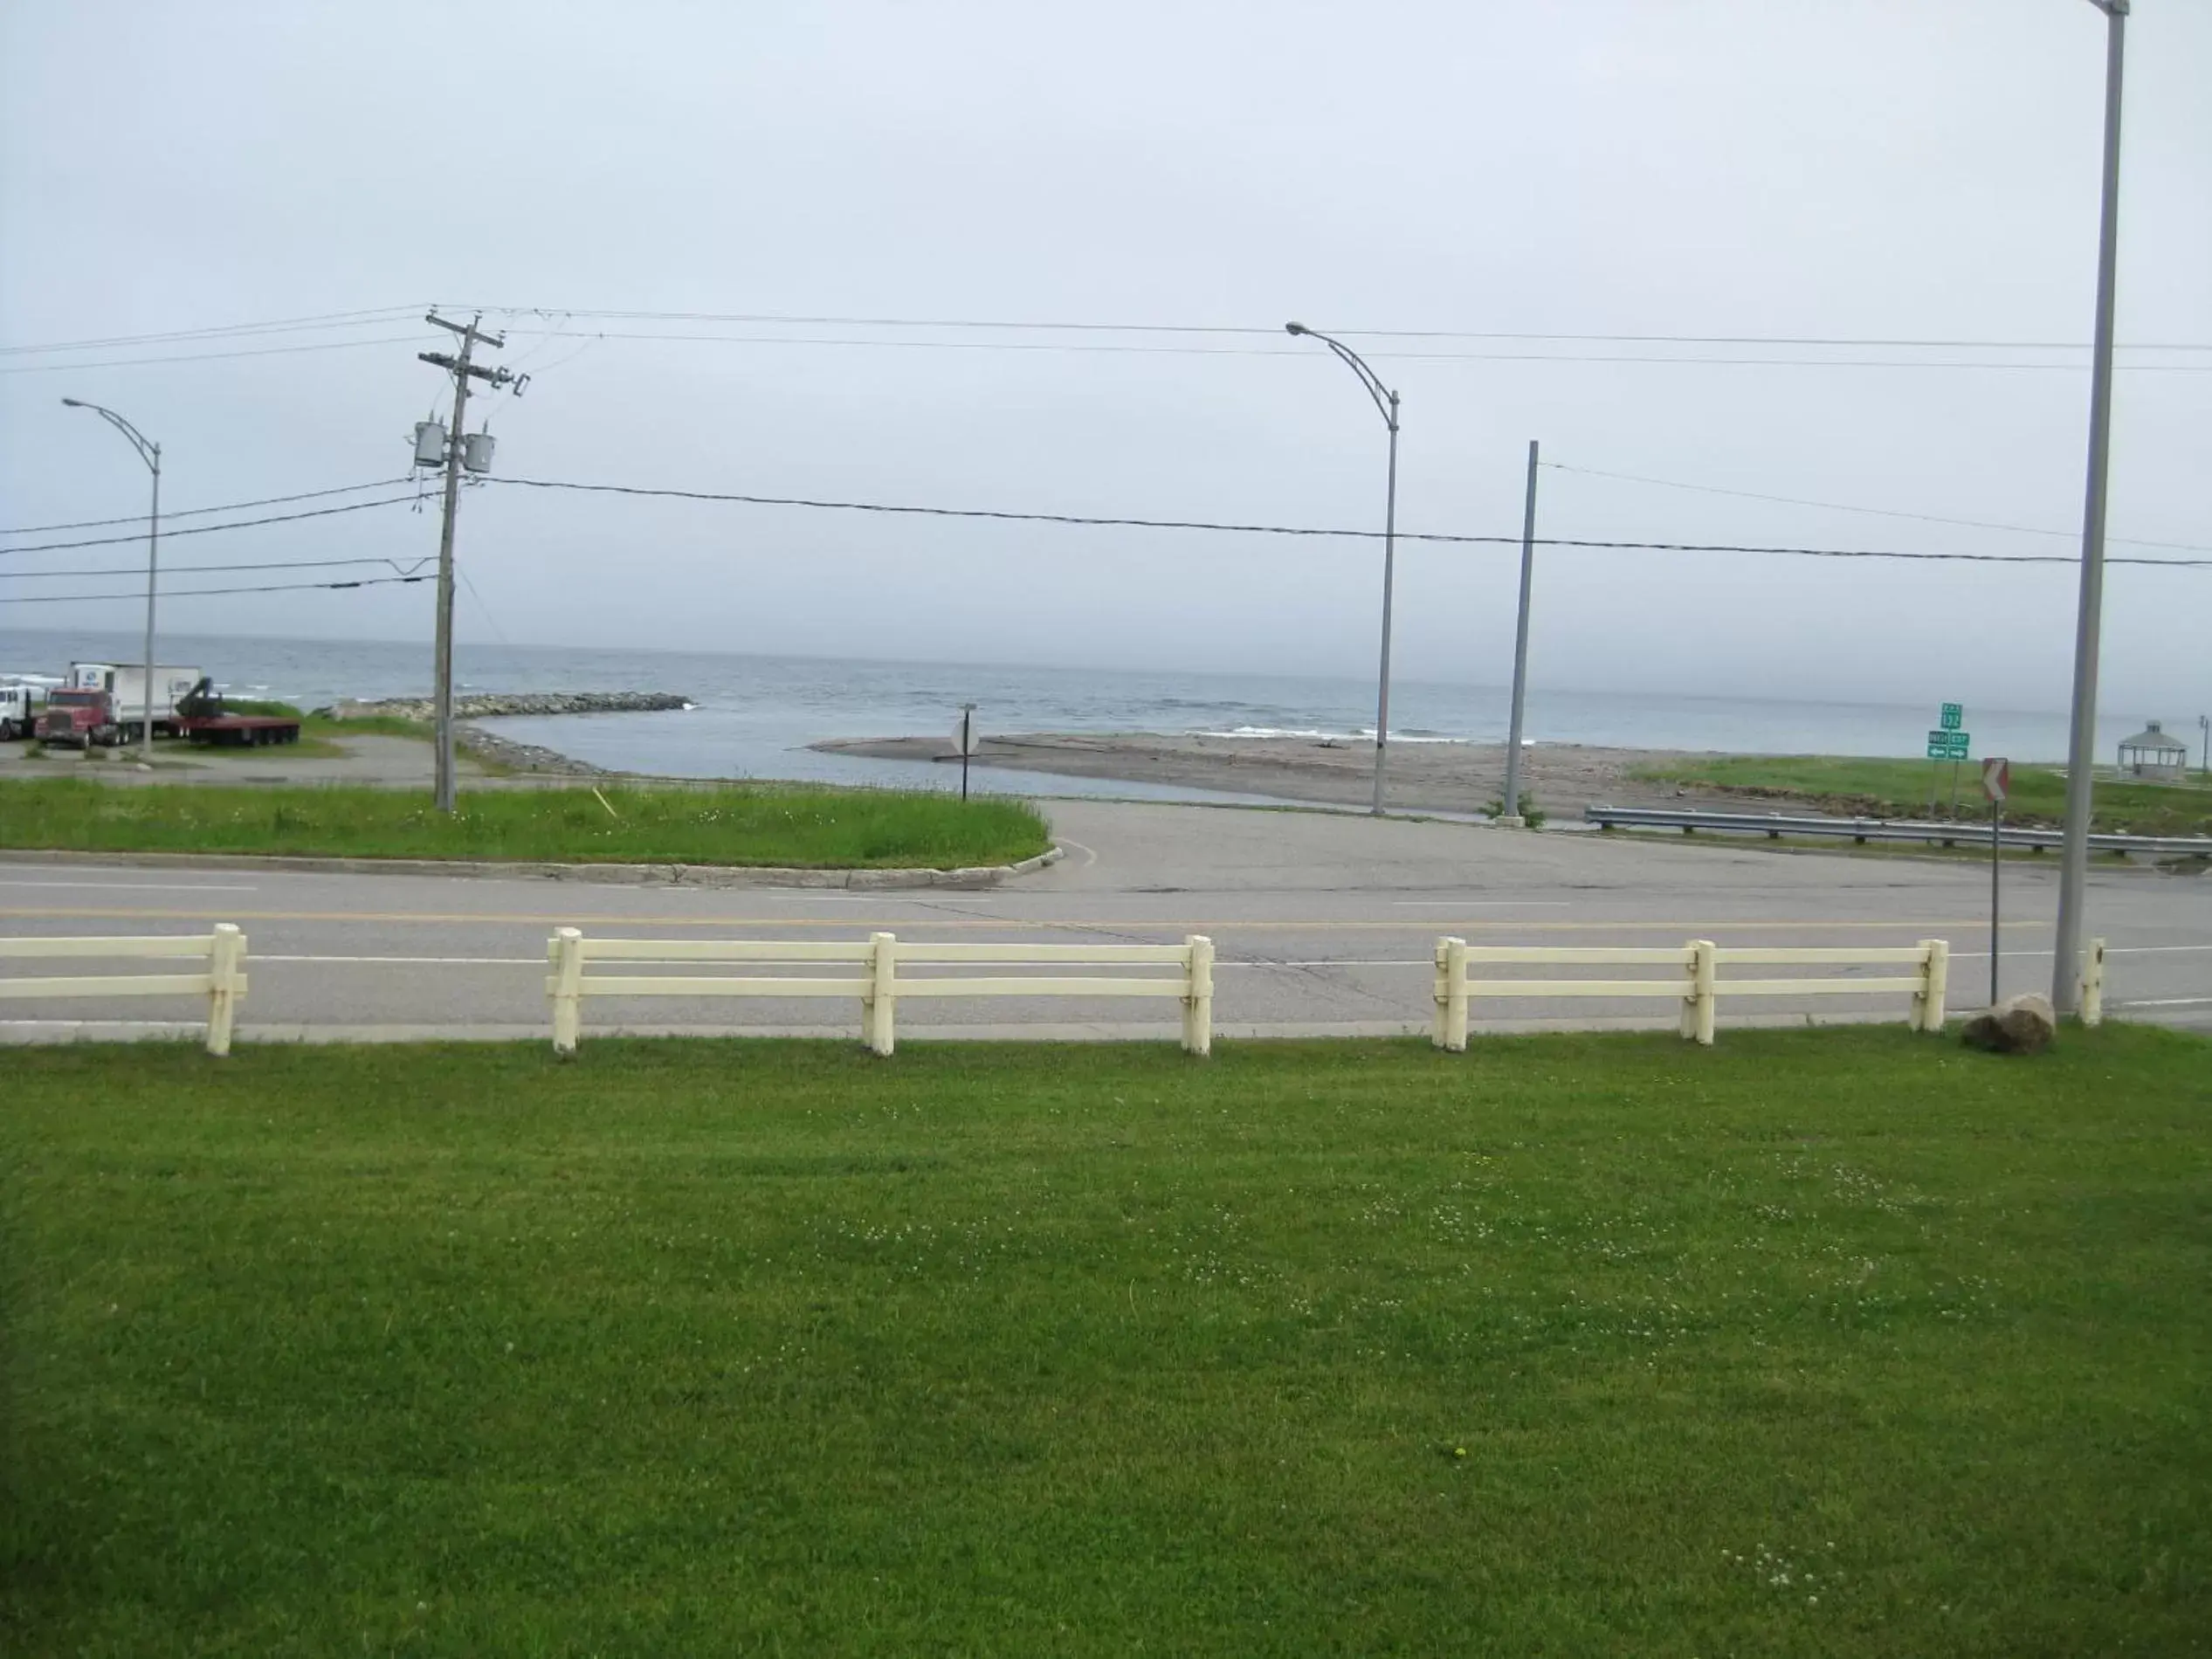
column 1818, row 1342
column 741, row 824
column 1848, row 784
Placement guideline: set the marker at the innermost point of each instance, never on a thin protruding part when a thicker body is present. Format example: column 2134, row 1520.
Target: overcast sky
column 1881, row 170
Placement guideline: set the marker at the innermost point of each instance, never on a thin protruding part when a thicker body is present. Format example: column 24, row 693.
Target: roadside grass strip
column 774, row 825
column 1851, row 786
column 1836, row 1342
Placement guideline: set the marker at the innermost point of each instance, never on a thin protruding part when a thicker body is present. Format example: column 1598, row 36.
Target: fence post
column 1450, row 1031
column 567, row 952
column 879, row 1005
column 1198, row 1004
column 225, row 984
column 1698, row 1005
column 1935, row 985
column 2091, row 1003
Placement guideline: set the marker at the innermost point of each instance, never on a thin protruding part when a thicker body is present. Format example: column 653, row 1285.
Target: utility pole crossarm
column 454, row 365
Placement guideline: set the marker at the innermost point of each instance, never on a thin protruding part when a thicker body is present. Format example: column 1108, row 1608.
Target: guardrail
column 1775, row 825
column 223, row 982
column 880, row 983
column 1697, row 984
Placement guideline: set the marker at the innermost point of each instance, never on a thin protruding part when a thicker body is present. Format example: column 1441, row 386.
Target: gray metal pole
column 152, row 555
column 444, row 691
column 1997, row 864
column 2081, row 749
column 1520, row 641
column 1389, row 565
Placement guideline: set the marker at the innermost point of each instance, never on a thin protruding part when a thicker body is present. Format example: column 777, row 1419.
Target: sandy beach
column 1561, row 779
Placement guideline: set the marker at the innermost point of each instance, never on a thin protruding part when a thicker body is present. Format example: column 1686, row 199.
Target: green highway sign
column 1955, row 716
column 1950, row 746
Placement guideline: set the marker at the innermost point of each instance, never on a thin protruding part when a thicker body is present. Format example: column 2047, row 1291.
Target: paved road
column 1323, row 923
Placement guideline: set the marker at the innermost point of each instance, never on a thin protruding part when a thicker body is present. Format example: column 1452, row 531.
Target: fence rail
column 887, row 974
column 1697, row 983
column 223, row 981
column 1775, row 825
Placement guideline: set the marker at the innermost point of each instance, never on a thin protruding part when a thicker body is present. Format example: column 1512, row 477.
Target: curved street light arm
column 148, row 450
column 1386, row 401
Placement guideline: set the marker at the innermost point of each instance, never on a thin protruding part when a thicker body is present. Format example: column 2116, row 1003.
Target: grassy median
column 1837, row 1342
column 741, row 824
column 1849, row 785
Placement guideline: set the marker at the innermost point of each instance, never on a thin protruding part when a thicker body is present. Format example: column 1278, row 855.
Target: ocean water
column 753, row 716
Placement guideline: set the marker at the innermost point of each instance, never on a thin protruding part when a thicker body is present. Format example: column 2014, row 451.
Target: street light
column 2081, row 746
column 150, row 452
column 1386, row 402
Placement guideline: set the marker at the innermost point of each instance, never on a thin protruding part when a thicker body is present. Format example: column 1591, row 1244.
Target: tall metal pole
column 445, row 648
column 1997, row 864
column 1390, row 565
column 1385, row 403
column 153, row 552
column 1520, row 643
column 2081, row 749
column 150, row 452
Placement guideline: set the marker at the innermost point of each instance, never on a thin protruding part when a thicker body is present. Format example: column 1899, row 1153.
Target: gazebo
column 2150, row 753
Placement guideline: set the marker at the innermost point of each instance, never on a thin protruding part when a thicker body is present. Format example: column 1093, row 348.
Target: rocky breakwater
column 504, row 751
column 484, row 706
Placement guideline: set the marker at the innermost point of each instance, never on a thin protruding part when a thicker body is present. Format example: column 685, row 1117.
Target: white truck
column 19, row 708
column 126, row 682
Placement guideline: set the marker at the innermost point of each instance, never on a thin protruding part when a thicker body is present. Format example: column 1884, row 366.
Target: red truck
column 81, row 718
column 201, row 717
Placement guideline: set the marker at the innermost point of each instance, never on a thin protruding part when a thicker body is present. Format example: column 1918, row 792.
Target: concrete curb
column 710, row 876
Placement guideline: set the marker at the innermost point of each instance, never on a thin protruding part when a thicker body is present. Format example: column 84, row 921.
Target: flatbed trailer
column 202, row 719
column 240, row 731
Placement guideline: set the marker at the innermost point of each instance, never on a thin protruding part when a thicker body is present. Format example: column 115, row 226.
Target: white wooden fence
column 881, row 975
column 2091, row 1003
column 223, row 981
column 1696, row 980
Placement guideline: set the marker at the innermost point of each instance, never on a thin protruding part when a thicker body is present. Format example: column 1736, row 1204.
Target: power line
column 1845, row 506
column 190, row 570
column 206, row 529
column 187, row 513
column 1656, row 360
column 1271, row 330
column 370, row 317
column 1089, row 348
column 1010, row 516
column 210, row 593
column 280, row 325
column 210, row 356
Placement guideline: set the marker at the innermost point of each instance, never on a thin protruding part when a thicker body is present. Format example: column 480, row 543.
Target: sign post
column 1997, row 783
column 1950, row 741
column 964, row 734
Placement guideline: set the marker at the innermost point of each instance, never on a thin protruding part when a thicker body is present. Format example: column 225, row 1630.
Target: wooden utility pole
column 462, row 369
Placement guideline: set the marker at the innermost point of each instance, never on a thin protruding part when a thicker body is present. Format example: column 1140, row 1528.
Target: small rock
column 2017, row 1025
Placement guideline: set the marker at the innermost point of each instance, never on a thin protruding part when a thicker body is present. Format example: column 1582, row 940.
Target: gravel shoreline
column 1561, row 779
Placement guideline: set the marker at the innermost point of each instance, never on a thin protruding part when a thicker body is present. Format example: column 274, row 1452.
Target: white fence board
column 110, row 985
column 1130, row 987
column 223, row 982
column 730, row 985
column 1838, row 986
column 720, row 950
column 166, row 944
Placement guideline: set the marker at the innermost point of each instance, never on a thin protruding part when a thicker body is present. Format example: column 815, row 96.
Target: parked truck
column 126, row 682
column 202, row 718
column 81, row 718
column 19, row 707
